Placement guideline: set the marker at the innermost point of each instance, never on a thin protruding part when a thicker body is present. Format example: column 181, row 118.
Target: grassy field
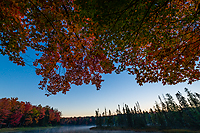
column 147, row 130
column 23, row 129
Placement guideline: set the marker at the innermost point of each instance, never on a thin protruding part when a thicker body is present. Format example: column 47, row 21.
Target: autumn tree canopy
column 14, row 113
column 78, row 40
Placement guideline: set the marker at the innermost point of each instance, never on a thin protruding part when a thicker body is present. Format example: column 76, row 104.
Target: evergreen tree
column 105, row 112
column 164, row 108
column 164, row 111
column 124, row 117
column 169, row 108
column 110, row 119
column 98, row 118
column 128, row 116
column 120, row 118
column 160, row 117
column 198, row 95
column 171, row 104
column 153, row 117
column 194, row 102
column 182, row 100
column 188, row 115
column 138, row 119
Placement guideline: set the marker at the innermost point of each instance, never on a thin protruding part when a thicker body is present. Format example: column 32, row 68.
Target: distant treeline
column 14, row 113
column 165, row 114
column 89, row 120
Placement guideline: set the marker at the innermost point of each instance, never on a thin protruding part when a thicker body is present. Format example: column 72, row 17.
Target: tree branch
column 140, row 26
column 43, row 15
column 65, row 10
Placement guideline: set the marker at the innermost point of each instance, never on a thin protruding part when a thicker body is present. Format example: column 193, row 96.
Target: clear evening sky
column 22, row 82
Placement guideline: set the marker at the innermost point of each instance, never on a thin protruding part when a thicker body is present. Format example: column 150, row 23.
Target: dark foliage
column 166, row 115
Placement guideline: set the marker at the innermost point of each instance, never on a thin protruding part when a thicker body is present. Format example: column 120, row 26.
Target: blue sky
column 22, row 82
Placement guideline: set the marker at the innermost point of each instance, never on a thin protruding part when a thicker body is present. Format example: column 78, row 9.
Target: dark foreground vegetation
column 14, row 113
column 88, row 120
column 148, row 129
column 21, row 129
column 166, row 114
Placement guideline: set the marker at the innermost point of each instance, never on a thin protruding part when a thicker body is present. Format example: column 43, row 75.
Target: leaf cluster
column 78, row 40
